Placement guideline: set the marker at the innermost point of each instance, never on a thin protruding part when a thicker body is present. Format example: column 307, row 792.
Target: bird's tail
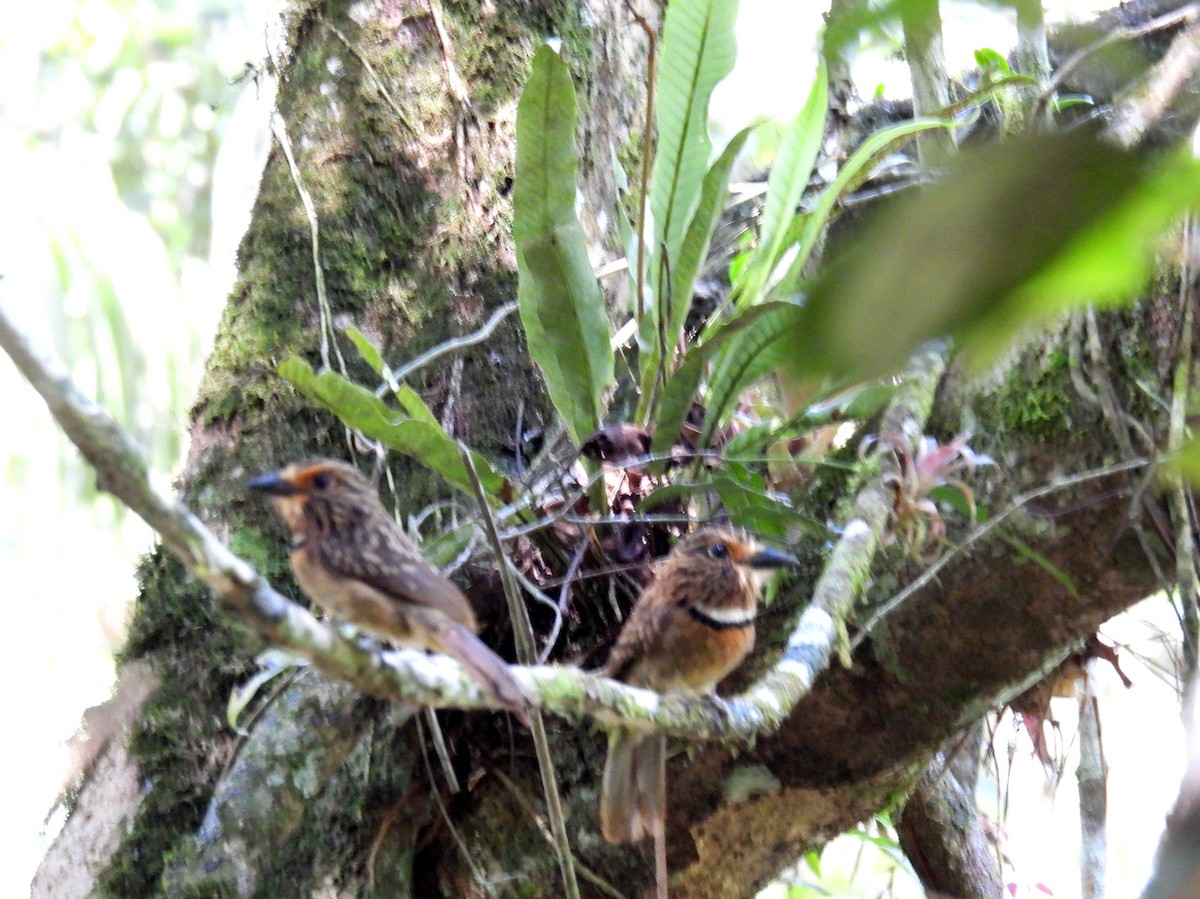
column 491, row 671
column 633, row 796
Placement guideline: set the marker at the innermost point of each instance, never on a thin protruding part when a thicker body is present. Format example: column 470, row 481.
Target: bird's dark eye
column 321, row 481
column 718, row 551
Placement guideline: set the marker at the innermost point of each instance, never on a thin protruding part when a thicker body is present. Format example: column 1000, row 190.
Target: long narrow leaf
column 789, row 176
column 362, row 410
column 853, row 173
column 692, row 253
column 766, row 345
column 698, row 50
column 561, row 305
column 681, row 388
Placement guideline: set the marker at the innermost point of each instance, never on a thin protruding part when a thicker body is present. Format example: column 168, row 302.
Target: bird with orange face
column 690, row 627
column 349, row 555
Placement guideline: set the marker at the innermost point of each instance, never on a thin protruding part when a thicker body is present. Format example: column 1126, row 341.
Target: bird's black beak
column 273, row 483
column 771, row 558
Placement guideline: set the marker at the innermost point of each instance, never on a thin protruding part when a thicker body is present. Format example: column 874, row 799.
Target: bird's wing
column 389, row 562
column 638, row 638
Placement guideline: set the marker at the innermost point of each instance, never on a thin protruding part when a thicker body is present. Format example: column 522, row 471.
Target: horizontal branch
column 411, row 676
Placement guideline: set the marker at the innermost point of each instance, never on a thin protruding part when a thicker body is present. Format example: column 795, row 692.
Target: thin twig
column 443, row 753
column 1187, row 582
column 1168, row 20
column 400, row 114
column 564, row 595
column 982, row 531
column 584, row 871
column 527, row 655
column 449, row 822
column 279, row 129
column 393, row 380
column 1092, row 775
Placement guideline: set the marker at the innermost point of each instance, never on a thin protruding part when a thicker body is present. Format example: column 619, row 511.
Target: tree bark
column 940, row 833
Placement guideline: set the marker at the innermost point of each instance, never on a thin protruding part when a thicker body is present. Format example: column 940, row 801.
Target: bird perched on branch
column 692, row 626
column 349, row 555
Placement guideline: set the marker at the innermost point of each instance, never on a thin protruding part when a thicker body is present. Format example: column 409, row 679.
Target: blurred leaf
column 789, row 176
column 360, row 409
column 1016, row 233
column 1066, row 101
column 562, row 307
column 444, row 546
column 757, row 350
column 692, row 253
column 366, row 349
column 1185, row 461
column 812, row 858
column 855, row 19
column 886, row 843
column 667, row 493
column 948, row 495
column 744, row 494
column 989, row 60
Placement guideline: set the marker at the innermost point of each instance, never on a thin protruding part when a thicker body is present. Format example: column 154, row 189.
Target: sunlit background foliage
column 114, row 118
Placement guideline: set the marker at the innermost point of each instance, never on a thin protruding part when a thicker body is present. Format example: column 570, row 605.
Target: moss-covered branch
column 414, row 677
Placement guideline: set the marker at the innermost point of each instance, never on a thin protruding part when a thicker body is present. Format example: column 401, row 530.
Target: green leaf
column 698, row 49
column 744, row 495
column 759, row 349
column 423, row 440
column 1185, row 461
column 988, row 59
column 681, row 388
column 367, row 350
column 692, row 253
column 409, row 399
column 561, row 305
column 856, row 170
column 789, row 176
column 1016, row 233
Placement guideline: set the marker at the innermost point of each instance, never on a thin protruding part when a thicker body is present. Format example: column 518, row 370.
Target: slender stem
column 527, row 655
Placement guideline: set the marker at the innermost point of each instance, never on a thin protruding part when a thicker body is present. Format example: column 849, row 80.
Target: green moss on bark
column 409, row 255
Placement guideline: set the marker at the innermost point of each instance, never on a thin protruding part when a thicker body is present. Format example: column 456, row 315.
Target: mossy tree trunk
column 329, row 792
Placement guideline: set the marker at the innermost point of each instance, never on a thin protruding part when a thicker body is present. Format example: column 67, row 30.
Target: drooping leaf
column 561, row 305
column 1027, row 552
column 408, row 398
column 745, row 497
column 686, row 268
column 789, row 176
column 359, row 408
column 1016, row 233
column 698, row 49
column 369, row 352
